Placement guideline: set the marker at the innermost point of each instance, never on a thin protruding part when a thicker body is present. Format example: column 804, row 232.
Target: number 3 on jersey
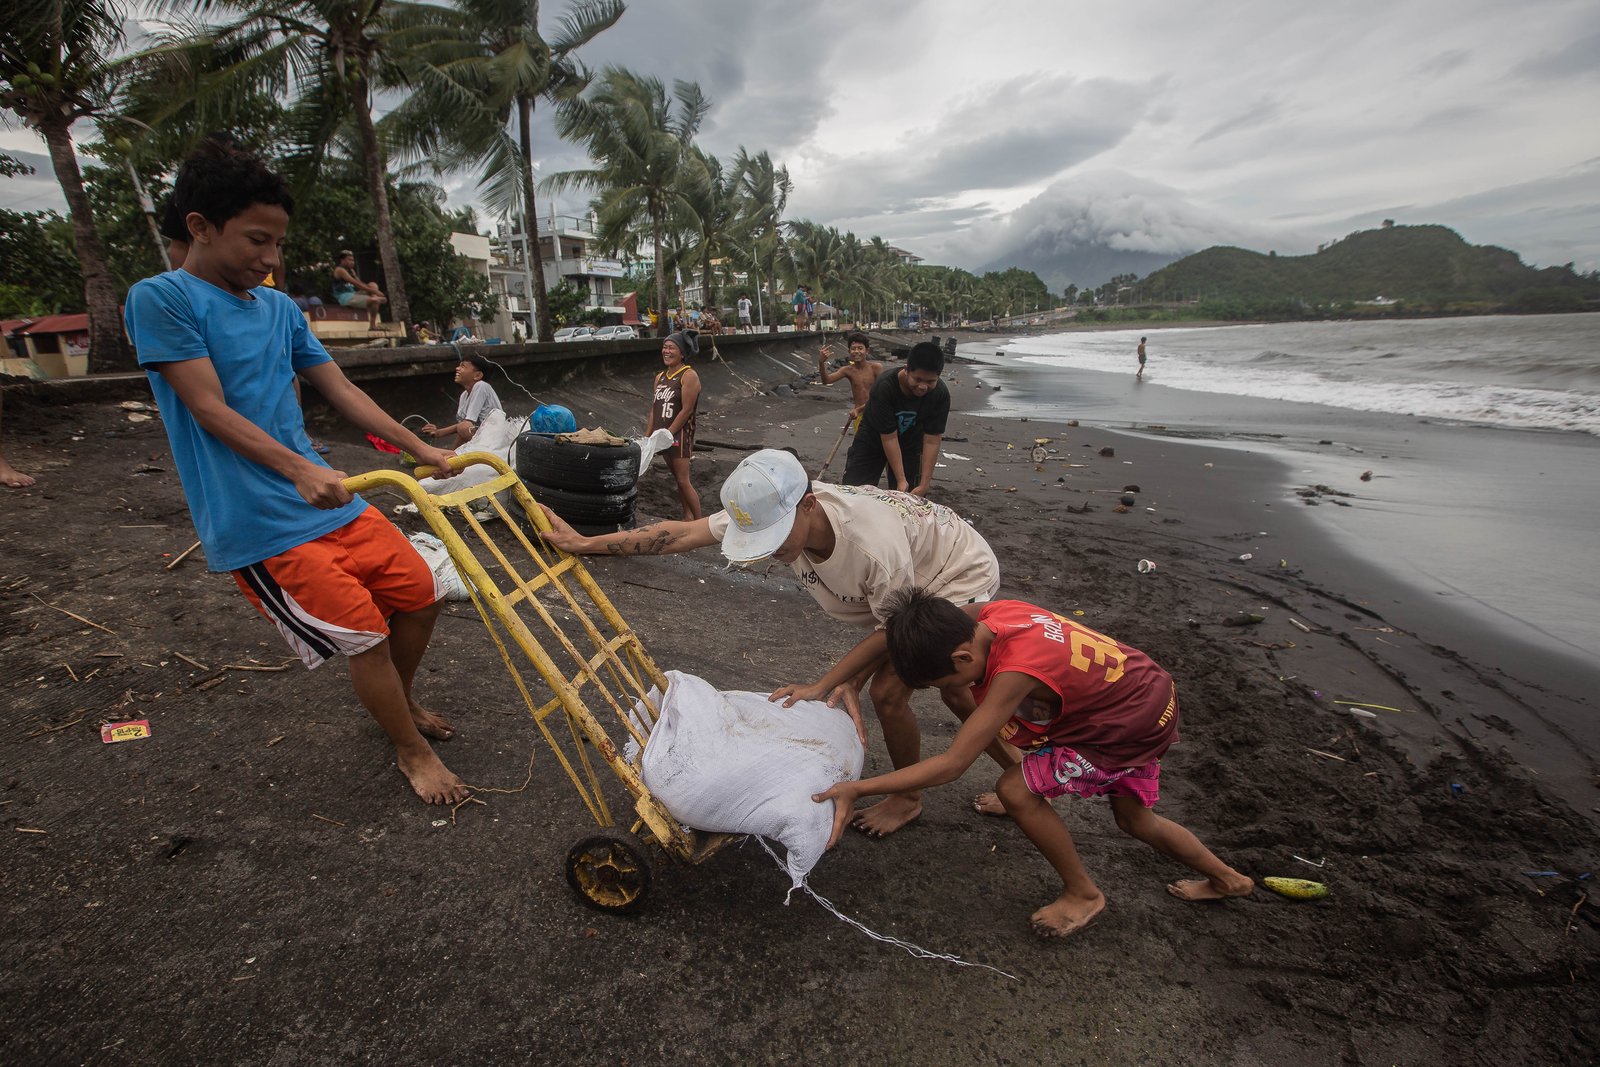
column 1093, row 649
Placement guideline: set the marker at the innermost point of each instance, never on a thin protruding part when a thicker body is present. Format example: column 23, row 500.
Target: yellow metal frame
column 606, row 657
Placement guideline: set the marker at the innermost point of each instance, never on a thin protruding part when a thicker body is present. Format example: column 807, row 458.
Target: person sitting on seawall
column 851, row 548
column 1094, row 717
column 351, row 291
column 478, row 398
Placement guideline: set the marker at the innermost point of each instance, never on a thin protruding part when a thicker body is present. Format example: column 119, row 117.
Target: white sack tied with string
column 738, row 763
column 496, row 434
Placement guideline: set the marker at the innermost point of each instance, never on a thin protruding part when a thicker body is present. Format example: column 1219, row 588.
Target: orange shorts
column 335, row 594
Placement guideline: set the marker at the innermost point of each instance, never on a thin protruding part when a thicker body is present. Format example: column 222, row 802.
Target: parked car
column 616, row 333
column 574, row 333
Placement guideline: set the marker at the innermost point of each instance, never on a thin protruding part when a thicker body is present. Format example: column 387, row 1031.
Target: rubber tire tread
column 556, row 464
column 592, row 509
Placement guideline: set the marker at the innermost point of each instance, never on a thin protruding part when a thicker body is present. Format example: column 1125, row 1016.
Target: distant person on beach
column 1141, row 358
column 351, row 291
column 861, row 370
column 478, row 399
column 222, row 353
column 850, row 548
column 10, row 477
column 744, row 314
column 674, row 402
column 903, row 425
column 1093, row 716
column 799, row 302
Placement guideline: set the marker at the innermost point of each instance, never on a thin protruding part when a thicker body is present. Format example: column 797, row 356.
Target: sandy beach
column 254, row 883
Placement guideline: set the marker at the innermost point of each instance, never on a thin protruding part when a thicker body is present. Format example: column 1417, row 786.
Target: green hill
column 1414, row 264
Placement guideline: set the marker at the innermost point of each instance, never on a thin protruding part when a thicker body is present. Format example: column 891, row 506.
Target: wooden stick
column 69, row 614
column 31, row 830
column 324, row 818
column 250, row 667
column 183, row 555
column 1326, row 755
column 1573, row 917
column 196, row 664
column 829, row 461
column 52, row 729
column 68, row 668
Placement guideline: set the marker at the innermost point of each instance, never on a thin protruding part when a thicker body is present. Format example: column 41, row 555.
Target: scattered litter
column 30, row 830
column 1129, row 499
column 133, row 405
column 336, row 822
column 1362, row 713
column 1298, row 625
column 954, row 455
column 133, row 730
column 1457, row 788
column 1072, row 422
column 1248, row 555
column 1146, row 566
column 440, row 822
column 1282, row 564
column 1364, row 704
column 1326, row 755
column 1542, row 874
column 1296, row 888
column 1366, row 476
column 1307, row 862
column 1038, row 454
column 1121, row 509
column 1208, row 466
column 183, row 555
column 1108, row 451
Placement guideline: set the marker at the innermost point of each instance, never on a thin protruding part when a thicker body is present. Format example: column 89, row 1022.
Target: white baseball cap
column 760, row 497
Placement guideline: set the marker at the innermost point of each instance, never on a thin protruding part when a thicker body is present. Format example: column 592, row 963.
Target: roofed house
column 58, row 344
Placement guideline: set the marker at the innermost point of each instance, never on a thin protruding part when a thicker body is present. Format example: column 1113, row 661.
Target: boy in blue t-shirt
column 222, row 353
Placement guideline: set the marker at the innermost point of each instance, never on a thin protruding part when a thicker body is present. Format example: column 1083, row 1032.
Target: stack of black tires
column 592, row 487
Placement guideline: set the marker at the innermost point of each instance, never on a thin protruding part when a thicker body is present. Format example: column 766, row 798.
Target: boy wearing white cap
column 852, row 547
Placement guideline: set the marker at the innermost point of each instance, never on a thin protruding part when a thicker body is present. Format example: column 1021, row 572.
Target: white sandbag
column 496, row 434
column 738, row 763
column 446, row 579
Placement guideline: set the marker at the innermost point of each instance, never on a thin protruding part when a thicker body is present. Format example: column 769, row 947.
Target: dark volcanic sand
column 185, row 906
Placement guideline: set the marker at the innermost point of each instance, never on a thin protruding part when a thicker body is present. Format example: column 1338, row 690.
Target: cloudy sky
column 1084, row 139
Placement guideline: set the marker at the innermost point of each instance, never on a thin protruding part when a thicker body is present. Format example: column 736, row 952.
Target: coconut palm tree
column 709, row 211
column 58, row 64
column 765, row 190
column 474, row 67
column 330, row 57
column 637, row 140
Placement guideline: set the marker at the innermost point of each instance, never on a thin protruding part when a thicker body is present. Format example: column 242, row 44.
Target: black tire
column 611, row 871
column 581, row 468
column 588, row 509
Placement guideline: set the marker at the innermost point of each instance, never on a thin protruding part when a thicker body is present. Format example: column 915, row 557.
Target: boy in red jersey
column 1093, row 717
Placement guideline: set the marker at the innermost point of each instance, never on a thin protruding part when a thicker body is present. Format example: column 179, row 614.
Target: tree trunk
column 663, row 320
column 377, row 188
column 109, row 351
column 545, row 331
column 708, row 291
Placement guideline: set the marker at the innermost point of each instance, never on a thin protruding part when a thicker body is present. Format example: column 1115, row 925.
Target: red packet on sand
column 112, row 732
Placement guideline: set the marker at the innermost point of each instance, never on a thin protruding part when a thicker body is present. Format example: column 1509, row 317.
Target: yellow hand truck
column 517, row 593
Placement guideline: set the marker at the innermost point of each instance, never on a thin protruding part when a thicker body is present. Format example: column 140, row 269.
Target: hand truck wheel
column 610, row 871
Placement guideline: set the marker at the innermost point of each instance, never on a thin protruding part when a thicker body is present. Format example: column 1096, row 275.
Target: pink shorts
column 1053, row 772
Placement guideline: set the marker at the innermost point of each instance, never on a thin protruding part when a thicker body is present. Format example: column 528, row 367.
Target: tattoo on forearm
column 649, row 542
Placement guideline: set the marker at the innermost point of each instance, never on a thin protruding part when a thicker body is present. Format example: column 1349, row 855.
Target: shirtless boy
column 861, row 370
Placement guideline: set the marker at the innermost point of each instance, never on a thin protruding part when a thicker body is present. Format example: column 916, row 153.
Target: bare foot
column 12, row 478
column 431, row 725
column 1212, row 888
column 1066, row 915
column 887, row 815
column 433, row 781
column 988, row 804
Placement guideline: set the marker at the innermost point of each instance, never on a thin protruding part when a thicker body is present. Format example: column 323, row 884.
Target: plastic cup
column 1146, row 566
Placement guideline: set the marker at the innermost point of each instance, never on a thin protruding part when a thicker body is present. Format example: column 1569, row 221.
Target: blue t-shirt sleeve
column 162, row 324
column 305, row 350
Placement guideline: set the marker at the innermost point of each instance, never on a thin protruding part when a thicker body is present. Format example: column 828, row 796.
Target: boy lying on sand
column 1094, row 717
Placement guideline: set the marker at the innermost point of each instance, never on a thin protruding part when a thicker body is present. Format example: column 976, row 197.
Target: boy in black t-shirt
column 903, row 425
